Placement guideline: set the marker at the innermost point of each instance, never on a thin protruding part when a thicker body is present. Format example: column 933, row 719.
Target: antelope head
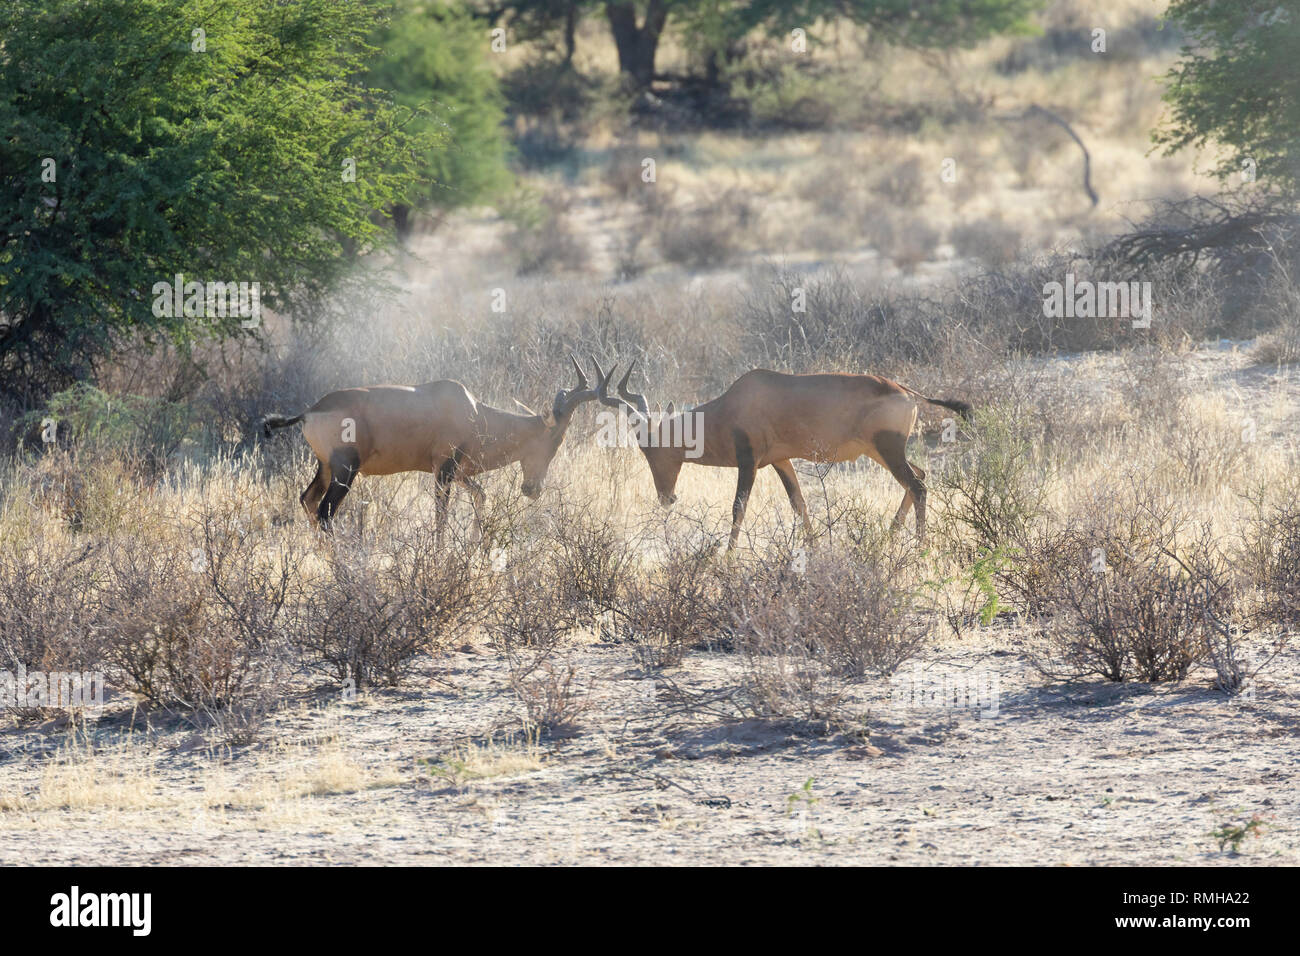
column 536, row 452
column 664, row 456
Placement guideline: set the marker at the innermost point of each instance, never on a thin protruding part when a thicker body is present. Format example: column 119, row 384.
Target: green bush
column 88, row 417
column 151, row 148
column 433, row 59
column 996, row 491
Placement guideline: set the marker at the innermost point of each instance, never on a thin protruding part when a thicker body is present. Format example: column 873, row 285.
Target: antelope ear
column 659, row 408
column 526, row 409
column 548, row 418
column 670, row 409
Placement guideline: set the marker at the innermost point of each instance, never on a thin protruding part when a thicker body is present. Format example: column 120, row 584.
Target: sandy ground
column 1040, row 773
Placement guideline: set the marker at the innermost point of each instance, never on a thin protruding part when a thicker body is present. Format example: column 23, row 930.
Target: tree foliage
column 433, row 58
column 638, row 25
column 1236, row 85
column 209, row 138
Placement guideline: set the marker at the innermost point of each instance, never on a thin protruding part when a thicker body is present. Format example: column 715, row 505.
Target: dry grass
column 120, row 781
column 487, row 759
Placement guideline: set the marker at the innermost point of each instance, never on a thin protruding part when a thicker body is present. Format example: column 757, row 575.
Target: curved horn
column 602, row 387
column 582, row 379
column 567, row 401
column 638, row 401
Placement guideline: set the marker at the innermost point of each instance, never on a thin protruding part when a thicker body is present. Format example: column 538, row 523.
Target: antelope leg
column 790, row 479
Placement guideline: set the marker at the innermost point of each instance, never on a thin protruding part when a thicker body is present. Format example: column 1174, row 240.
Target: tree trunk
column 402, row 222
column 637, row 44
column 570, row 32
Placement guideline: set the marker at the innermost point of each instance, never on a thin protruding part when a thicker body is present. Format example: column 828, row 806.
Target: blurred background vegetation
column 498, row 140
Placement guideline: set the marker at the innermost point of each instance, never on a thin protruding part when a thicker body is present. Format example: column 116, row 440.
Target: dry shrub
column 901, row 236
column 709, row 235
column 624, row 171
column 811, row 624
column 504, row 523
column 1157, row 383
column 199, row 619
column 552, row 697
column 163, row 634
column 1271, row 559
column 541, row 593
column 905, row 184
column 1139, row 624
column 182, row 620
column 1026, row 574
column 844, row 324
column 672, row 605
column 1137, row 595
column 48, row 618
column 989, row 241
column 92, row 493
column 915, row 242
column 1281, row 346
column 1201, row 453
column 254, row 591
column 788, row 681
column 445, row 591
column 353, row 625
column 528, row 621
column 528, row 616
column 214, row 617
column 853, row 523
column 254, row 580
column 380, row 602
column 1217, row 581
column 589, row 555
column 628, row 262
column 857, row 614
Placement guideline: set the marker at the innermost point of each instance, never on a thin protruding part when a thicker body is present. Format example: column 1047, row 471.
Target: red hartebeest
column 437, row 427
column 769, row 418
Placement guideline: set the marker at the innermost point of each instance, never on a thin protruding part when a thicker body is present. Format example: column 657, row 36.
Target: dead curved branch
column 1036, row 110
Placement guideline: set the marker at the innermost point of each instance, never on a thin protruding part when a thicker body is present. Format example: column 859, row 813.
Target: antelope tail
column 963, row 409
column 275, row 421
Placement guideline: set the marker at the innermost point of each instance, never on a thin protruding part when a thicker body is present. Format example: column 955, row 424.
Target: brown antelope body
column 438, row 427
column 770, row 418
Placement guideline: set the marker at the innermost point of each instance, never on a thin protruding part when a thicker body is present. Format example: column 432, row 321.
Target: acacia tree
column 1236, row 85
column 225, row 141
column 433, row 58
